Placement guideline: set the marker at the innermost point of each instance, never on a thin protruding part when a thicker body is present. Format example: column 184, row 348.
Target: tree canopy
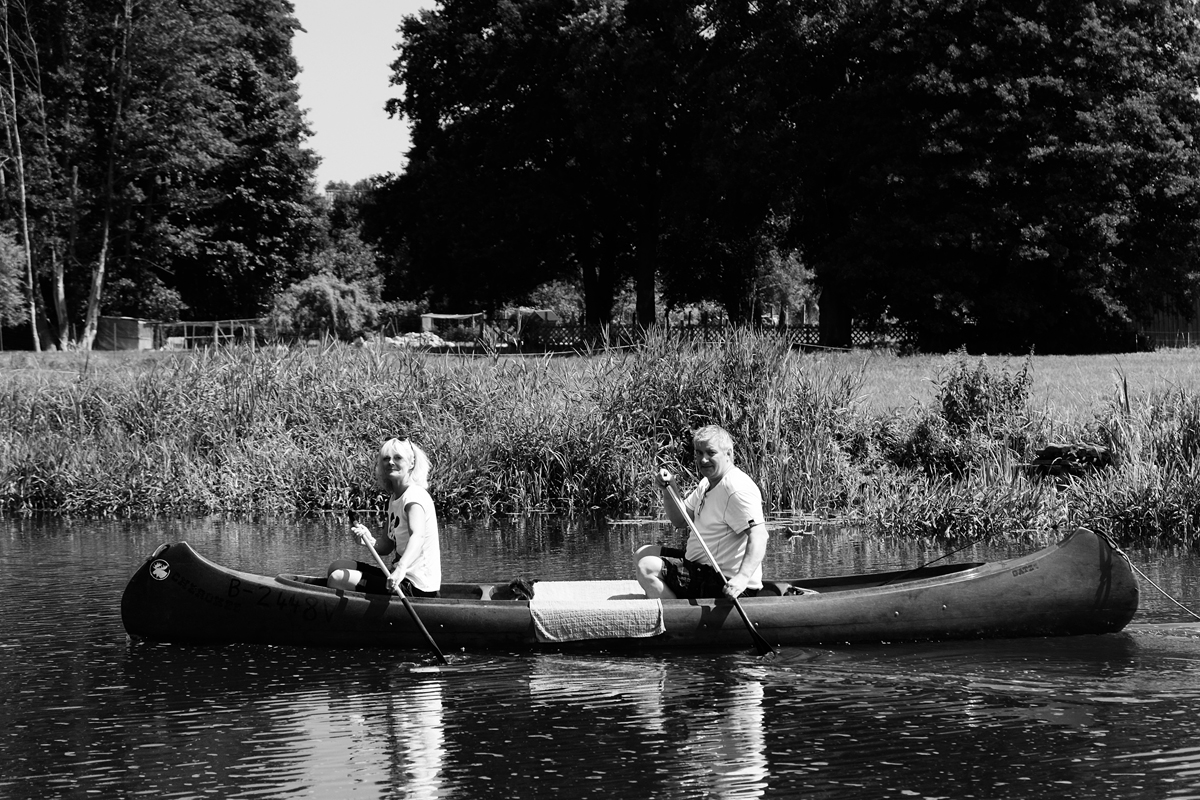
column 1008, row 174
column 162, row 146
column 1000, row 174
column 1004, row 174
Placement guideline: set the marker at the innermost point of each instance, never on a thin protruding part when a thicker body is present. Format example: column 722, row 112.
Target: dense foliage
column 153, row 158
column 997, row 173
column 1009, row 174
column 1003, row 175
column 323, row 306
column 12, row 283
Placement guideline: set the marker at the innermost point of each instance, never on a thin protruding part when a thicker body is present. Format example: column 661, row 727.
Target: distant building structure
column 126, row 333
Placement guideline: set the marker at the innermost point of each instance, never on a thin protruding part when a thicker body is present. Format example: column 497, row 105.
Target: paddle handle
column 408, row 606
column 760, row 644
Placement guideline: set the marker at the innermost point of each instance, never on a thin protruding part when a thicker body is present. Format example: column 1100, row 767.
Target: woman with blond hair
column 402, row 470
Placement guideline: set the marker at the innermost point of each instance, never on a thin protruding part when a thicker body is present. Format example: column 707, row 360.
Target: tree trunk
column 60, row 283
column 92, row 319
column 91, row 322
column 835, row 327
column 597, row 260
column 57, row 257
column 19, row 158
column 646, row 256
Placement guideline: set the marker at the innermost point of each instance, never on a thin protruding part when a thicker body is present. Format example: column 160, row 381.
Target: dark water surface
column 86, row 713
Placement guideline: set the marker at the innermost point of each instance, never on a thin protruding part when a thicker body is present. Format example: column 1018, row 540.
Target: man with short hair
column 726, row 508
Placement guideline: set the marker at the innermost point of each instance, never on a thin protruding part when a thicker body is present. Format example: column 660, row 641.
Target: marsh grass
column 294, row 431
column 1153, row 494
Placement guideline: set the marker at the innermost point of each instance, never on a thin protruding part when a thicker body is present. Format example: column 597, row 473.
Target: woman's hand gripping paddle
column 760, row 644
column 412, row 612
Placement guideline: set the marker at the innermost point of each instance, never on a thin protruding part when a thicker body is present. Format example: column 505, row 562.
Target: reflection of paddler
column 719, row 729
column 416, row 724
column 724, row 740
column 740, row 760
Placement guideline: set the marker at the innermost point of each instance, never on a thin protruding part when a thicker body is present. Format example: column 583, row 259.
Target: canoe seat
column 466, row 591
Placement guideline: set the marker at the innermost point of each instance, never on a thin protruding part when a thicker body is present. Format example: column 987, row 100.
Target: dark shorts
column 692, row 579
column 374, row 581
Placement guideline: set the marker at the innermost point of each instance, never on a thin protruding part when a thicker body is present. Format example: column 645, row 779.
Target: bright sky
column 344, row 58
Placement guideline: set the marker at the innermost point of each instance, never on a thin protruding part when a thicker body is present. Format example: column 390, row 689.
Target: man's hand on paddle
column 663, row 479
column 736, row 585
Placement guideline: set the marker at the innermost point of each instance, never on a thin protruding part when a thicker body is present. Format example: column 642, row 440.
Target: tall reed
column 784, row 409
column 294, row 431
column 1153, row 492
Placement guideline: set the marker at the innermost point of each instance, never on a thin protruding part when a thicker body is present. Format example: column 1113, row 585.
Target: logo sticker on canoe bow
column 160, row 570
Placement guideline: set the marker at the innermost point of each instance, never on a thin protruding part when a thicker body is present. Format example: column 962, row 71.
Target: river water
column 84, row 712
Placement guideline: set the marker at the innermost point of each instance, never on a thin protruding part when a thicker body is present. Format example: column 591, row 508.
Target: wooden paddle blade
column 421, row 625
column 760, row 643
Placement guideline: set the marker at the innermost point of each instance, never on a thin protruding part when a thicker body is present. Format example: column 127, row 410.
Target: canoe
column 1080, row 585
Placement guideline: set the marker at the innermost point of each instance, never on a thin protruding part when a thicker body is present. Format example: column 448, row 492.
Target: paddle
column 761, row 644
column 412, row 612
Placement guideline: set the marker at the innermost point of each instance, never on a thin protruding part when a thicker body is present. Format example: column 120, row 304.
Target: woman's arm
column 416, row 540
column 382, row 544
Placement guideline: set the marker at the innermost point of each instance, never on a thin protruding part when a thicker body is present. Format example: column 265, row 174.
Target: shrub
column 976, row 398
column 323, row 306
column 980, row 421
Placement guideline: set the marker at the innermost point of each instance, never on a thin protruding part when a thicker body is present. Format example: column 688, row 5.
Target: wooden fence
column 544, row 338
column 573, row 337
column 1172, row 330
column 211, row 333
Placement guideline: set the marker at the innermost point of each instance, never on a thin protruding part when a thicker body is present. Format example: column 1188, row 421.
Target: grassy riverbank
column 920, row 446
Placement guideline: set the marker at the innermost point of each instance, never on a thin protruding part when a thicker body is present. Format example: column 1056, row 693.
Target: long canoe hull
column 1081, row 585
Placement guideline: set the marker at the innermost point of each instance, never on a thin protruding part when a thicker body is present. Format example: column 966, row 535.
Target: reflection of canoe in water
column 1080, row 585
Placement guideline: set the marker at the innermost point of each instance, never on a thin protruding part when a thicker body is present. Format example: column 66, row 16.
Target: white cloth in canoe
column 569, row 611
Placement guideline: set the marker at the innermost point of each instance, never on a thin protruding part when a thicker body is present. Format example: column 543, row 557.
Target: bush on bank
column 294, row 431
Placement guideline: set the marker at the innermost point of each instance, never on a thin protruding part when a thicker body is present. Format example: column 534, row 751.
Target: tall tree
column 118, row 71
column 736, row 181
column 11, row 113
column 1002, row 173
column 544, row 133
column 166, row 154
column 262, row 215
column 50, row 88
column 1006, row 174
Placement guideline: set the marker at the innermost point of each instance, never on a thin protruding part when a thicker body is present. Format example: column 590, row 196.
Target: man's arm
column 756, row 550
column 663, row 481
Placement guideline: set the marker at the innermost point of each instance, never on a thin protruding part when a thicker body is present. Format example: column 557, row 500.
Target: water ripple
column 82, row 710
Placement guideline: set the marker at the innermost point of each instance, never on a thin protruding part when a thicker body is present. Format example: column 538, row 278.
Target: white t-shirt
column 724, row 516
column 426, row 570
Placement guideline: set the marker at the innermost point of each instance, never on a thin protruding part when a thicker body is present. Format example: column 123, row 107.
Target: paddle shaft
column 761, row 644
column 408, row 606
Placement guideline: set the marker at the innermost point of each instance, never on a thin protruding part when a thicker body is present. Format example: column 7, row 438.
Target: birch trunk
column 92, row 319
column 19, row 159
